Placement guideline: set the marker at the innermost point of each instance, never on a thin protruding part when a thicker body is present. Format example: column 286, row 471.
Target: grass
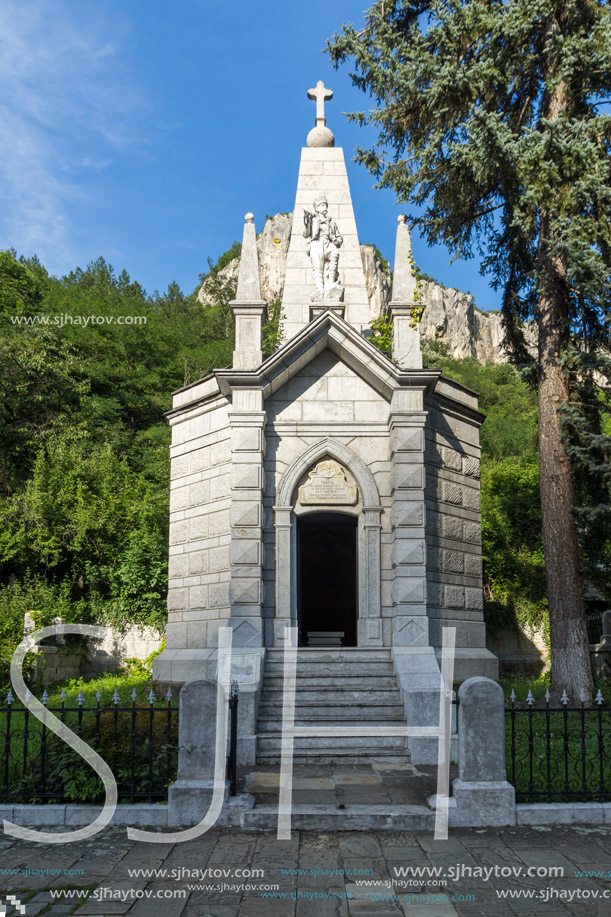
column 123, row 680
column 115, row 739
column 521, row 684
column 553, row 756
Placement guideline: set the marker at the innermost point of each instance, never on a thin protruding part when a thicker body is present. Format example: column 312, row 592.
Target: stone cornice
column 332, row 332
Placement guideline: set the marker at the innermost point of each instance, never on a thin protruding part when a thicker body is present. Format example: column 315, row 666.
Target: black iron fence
column 561, row 752
column 232, row 759
column 139, row 741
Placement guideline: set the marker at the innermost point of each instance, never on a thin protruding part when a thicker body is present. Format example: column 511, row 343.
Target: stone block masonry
column 200, row 537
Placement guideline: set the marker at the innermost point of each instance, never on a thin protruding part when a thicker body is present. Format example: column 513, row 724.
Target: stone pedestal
column 317, row 308
column 483, row 796
column 189, row 799
column 406, row 336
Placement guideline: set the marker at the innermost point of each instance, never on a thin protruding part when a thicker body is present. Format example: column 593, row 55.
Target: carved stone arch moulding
column 369, row 532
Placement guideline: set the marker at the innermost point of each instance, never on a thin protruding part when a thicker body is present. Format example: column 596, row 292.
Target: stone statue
column 323, row 245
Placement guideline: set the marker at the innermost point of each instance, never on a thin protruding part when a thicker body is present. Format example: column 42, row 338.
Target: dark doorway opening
column 327, row 579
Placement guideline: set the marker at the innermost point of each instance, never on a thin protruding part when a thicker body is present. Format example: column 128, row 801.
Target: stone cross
column 320, row 93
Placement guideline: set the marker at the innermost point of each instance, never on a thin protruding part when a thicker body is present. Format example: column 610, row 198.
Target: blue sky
column 143, row 131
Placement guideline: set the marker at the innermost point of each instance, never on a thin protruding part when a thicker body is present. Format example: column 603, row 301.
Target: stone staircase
column 351, row 686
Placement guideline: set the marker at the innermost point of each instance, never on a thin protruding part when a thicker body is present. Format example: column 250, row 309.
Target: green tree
column 84, row 444
column 491, row 119
column 40, row 379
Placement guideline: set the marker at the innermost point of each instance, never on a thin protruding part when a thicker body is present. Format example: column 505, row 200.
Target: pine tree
column 491, row 118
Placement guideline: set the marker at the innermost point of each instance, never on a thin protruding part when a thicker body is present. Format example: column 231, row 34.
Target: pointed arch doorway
column 327, row 579
column 367, row 516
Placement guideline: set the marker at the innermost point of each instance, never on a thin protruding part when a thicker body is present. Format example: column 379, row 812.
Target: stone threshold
column 239, row 812
column 349, row 818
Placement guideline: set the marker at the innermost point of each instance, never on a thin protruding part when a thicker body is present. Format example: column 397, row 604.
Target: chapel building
column 328, row 487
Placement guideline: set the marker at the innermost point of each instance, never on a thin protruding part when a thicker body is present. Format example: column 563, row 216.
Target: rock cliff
column 449, row 317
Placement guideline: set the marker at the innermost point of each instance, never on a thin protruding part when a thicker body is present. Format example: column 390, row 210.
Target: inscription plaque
column 328, row 484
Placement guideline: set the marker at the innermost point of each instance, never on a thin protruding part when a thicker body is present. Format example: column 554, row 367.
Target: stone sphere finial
column 249, row 217
column 320, row 136
column 402, row 218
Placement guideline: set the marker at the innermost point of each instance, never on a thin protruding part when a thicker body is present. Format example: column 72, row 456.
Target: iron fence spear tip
column 599, row 697
column 530, row 699
column 133, row 694
column 45, row 697
column 9, row 697
column 565, row 698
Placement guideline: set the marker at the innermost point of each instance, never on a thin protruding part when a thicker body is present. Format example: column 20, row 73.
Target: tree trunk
column 570, row 656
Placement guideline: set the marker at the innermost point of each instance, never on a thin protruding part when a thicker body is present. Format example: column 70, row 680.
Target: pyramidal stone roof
column 322, row 173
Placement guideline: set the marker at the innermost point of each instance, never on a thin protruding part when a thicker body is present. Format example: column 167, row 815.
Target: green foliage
column 84, row 445
column 44, row 601
column 272, row 332
column 422, row 275
column 512, row 550
column 510, row 405
column 382, row 328
column 488, row 115
column 66, row 770
column 586, row 422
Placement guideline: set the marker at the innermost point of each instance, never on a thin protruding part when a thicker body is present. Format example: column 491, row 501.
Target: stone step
column 273, row 710
column 271, row 742
column 350, row 818
column 344, row 687
column 343, row 654
column 336, row 696
column 329, row 682
column 336, row 758
column 272, row 724
column 343, row 756
column 335, row 669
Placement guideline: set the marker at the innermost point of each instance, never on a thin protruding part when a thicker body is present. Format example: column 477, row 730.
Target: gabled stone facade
column 328, row 425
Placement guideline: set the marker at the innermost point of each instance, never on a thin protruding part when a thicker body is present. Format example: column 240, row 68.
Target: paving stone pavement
column 340, row 874
column 377, row 783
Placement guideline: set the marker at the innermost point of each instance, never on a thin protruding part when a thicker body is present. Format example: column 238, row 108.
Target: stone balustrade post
column 483, row 796
column 190, row 797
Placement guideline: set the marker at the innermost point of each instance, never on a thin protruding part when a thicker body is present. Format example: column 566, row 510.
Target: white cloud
column 68, row 106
